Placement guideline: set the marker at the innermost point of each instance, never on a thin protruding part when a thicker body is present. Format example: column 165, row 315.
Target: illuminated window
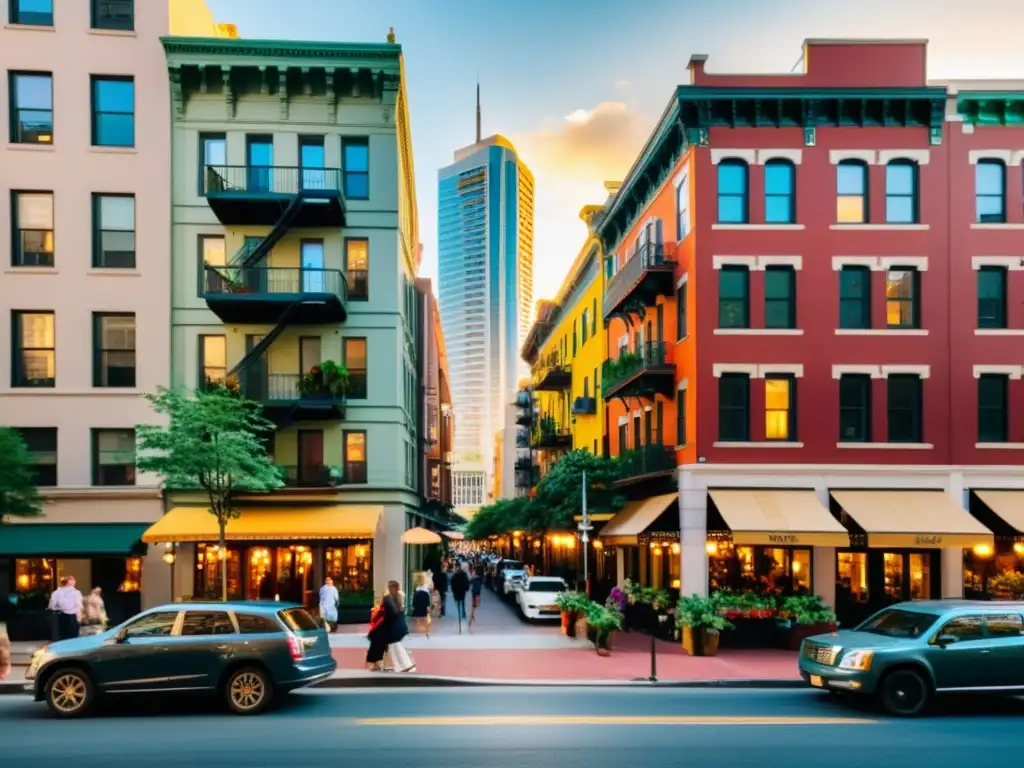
column 852, row 192
column 213, row 359
column 852, row 577
column 732, row 192
column 901, row 203
column 32, row 225
column 920, row 576
column 357, row 268
column 990, row 191
column 779, row 192
column 34, row 362
column 779, row 410
column 902, row 286
column 355, row 362
column 355, row 457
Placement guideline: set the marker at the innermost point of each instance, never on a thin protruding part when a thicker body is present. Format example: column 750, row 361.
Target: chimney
column 696, row 67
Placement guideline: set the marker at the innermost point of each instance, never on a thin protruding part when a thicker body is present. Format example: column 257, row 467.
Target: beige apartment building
column 84, row 299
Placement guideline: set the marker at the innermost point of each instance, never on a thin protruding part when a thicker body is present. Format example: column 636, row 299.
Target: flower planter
column 800, row 632
column 701, row 642
column 569, row 623
column 582, row 628
column 752, row 633
column 605, row 648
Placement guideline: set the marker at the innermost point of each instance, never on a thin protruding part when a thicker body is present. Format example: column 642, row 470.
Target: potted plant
column 602, row 622
column 754, row 616
column 327, row 380
column 1008, row 585
column 571, row 604
column 701, row 622
column 803, row 616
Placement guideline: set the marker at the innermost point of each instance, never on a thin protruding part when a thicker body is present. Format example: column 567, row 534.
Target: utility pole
column 585, row 529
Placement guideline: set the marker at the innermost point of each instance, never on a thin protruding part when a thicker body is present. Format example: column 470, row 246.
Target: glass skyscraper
column 485, row 266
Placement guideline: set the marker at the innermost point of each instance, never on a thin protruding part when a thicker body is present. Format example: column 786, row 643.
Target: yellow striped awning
column 913, row 520
column 779, row 518
column 268, row 524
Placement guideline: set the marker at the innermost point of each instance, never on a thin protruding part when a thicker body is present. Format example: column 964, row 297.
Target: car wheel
column 70, row 692
column 904, row 693
column 248, row 691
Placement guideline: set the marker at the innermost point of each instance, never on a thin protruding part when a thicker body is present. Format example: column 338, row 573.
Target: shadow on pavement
column 165, row 705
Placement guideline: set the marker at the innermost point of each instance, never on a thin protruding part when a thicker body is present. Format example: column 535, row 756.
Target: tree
column 18, row 494
column 501, row 516
column 211, row 441
column 559, row 494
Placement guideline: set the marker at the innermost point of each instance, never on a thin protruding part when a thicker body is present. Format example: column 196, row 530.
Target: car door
column 202, row 647
column 959, row 653
column 135, row 657
column 1006, row 649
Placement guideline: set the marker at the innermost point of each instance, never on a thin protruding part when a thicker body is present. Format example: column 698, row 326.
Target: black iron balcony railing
column 644, row 371
column 648, row 273
column 311, row 476
column 287, row 282
column 550, row 434
column 551, row 373
column 270, row 180
column 584, row 406
column 647, row 460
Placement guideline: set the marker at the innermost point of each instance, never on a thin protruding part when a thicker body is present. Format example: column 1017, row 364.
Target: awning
column 1008, row 505
column 455, row 535
column 913, row 520
column 635, row 518
column 268, row 524
column 420, row 536
column 53, row 539
column 779, row 518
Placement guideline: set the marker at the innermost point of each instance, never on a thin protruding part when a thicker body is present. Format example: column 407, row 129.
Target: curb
column 437, row 681
column 9, row 689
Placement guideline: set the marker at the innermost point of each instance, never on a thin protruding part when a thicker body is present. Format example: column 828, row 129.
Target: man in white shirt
column 66, row 602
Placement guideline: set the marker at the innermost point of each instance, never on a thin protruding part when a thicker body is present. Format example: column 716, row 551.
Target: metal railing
column 652, row 356
column 649, row 256
column 280, row 387
column 273, row 280
column 647, row 460
column 310, row 476
column 584, row 406
column 245, row 180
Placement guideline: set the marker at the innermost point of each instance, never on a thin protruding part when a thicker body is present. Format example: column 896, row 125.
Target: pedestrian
column 421, row 602
column 394, row 607
column 441, row 585
column 378, row 637
column 476, row 587
column 5, row 652
column 329, row 603
column 94, row 618
column 460, row 586
column 66, row 602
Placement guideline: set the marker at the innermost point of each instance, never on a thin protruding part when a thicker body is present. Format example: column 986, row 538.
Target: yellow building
column 565, row 348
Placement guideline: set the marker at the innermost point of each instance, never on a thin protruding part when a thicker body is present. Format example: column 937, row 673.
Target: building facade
column 295, row 247
column 842, row 418
column 438, row 416
column 485, row 262
column 85, row 302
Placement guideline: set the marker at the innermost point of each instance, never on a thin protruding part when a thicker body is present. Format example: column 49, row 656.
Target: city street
column 513, row 728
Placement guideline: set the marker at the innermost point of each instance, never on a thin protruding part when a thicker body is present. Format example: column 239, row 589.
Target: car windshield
column 546, row 586
column 899, row 623
column 298, row 620
column 512, row 565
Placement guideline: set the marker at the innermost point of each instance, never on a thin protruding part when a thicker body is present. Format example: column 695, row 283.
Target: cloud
column 622, row 84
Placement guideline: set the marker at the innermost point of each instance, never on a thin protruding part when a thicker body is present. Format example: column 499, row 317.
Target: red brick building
column 825, row 324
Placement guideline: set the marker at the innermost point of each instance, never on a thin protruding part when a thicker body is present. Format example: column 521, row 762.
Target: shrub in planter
column 803, row 616
column 1008, row 585
column 701, row 623
column 602, row 622
column 753, row 615
column 572, row 605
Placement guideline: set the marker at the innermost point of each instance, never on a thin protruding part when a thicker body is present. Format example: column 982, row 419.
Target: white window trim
column 1015, row 372
column 750, row 369
column 648, row 409
column 919, row 156
column 1009, row 263
column 869, row 156
column 762, row 444
column 871, row 262
column 683, row 280
column 795, row 156
column 749, row 156
column 796, row 370
column 977, row 155
column 750, row 262
column 636, row 414
column 796, row 262
column 683, row 384
column 920, row 263
column 924, row 371
column 680, row 177
column 1017, row 157
column 874, row 371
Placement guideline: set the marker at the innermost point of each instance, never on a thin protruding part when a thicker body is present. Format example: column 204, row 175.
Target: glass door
column 311, row 162
column 260, row 160
column 313, row 266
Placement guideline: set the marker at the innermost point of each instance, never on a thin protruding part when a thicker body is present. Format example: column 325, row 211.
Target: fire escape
column 247, row 290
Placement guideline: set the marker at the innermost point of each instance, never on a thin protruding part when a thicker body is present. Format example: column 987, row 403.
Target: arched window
column 901, row 203
column 852, row 192
column 990, row 191
column 779, row 192
column 732, row 192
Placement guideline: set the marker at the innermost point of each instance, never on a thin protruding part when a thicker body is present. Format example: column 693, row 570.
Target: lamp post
column 170, row 555
column 585, row 528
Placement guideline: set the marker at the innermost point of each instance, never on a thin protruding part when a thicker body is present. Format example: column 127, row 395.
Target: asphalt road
column 515, row 728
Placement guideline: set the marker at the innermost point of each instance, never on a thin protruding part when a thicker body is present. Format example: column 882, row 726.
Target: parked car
column 513, row 580
column 499, row 572
column 906, row 654
column 537, row 597
column 247, row 652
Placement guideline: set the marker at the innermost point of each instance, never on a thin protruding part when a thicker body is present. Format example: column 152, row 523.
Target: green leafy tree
column 18, row 494
column 559, row 494
column 212, row 442
column 501, row 516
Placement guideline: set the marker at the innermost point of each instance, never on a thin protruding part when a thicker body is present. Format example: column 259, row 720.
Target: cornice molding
column 283, row 49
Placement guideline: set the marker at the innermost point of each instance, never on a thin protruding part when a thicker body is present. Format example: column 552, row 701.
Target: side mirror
column 119, row 638
column 943, row 640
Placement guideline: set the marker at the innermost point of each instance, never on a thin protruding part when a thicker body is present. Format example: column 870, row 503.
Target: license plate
column 817, row 682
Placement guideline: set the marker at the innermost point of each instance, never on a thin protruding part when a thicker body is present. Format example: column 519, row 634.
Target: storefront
column 997, row 573
column 645, row 537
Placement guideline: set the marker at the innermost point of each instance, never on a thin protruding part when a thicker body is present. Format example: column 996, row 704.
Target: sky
column 577, row 85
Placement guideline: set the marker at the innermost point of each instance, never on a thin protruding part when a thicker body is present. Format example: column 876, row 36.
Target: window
column 312, row 159
column 680, row 417
column 213, row 360
column 593, row 318
column 213, row 159
column 113, row 111
column 114, row 350
column 31, row 107
column 37, row 13
column 1004, row 626
column 854, row 408
column 202, row 623
column 32, row 229
column 990, row 191
column 779, row 192
column 992, row 297
column 584, row 327
column 993, row 408
column 852, row 192
column 904, row 408
column 901, row 206
column 965, row 628
column 213, row 250
column 733, row 297
column 34, row 363
column 113, row 231
column 682, row 299
column 683, row 209
column 734, row 408
column 780, row 408
column 254, row 624
column 855, row 298
column 574, row 338
column 732, row 192
column 113, row 14
column 355, row 457
column 779, row 297
column 357, row 268
column 152, row 625
column 113, row 457
column 902, row 287
column 356, row 168
column 311, row 255
column 355, row 362
column 42, row 446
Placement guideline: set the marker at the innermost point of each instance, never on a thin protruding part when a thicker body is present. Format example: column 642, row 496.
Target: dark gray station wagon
column 246, row 652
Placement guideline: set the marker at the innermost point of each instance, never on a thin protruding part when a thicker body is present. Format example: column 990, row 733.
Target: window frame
column 18, row 367
column 42, row 480
column 861, row 410
column 1000, row 217
column 682, row 303
column 14, row 16
column 915, row 411
column 742, row 381
column 681, row 398
column 864, row 194
column 354, row 141
column 98, row 231
column 995, row 402
column 744, row 271
column 788, row 301
column 863, row 301
column 354, row 295
column 99, row 350
column 684, row 224
column 17, row 240
column 790, row 410
column 913, row 301
column 94, row 113
column 96, row 434
column 351, row 393
column 365, row 462
column 789, row 196
column 204, row 381
column 15, row 133
column 205, row 137
column 743, row 196
column 96, row 22
column 999, row 304
column 914, row 195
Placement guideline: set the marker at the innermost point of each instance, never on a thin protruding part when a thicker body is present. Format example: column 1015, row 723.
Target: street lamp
column 169, row 556
column 585, row 528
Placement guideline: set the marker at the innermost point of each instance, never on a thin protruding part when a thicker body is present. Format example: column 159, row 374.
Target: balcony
column 249, row 195
column 551, row 375
column 550, row 436
column 263, row 294
column 644, row 277
column 647, row 460
column 289, row 397
column 642, row 373
column 584, row 406
column 311, row 476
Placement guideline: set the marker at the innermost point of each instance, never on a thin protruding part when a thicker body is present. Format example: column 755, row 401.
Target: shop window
column 990, row 191
column 780, row 297
column 852, row 192
column 993, row 407
column 901, row 195
column 207, row 584
column 733, row 297
column 779, row 192
column 759, row 568
column 113, row 456
column 893, row 575
column 35, row 574
column 854, row 408
column 41, row 443
column 780, row 407
column 852, row 577
column 132, row 575
column 920, row 577
column 734, row 408
column 355, row 456
column 732, row 192
column 32, row 229
column 903, row 298
column 855, row 298
column 357, row 268
column 905, row 395
column 992, row 297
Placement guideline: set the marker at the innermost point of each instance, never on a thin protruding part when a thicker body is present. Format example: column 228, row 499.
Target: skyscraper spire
column 478, row 136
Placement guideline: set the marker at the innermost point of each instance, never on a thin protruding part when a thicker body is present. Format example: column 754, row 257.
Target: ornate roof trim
column 281, row 49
